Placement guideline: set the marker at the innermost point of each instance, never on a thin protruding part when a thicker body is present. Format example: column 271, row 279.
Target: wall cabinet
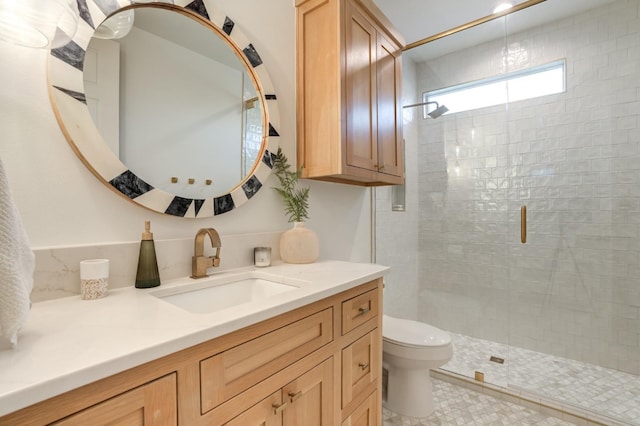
column 320, row 364
column 349, row 71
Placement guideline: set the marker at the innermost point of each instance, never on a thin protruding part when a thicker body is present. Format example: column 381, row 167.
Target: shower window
column 519, row 85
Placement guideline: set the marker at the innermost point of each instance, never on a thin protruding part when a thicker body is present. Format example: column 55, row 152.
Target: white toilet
column 410, row 349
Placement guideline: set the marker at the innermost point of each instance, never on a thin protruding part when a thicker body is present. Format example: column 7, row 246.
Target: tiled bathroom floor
column 457, row 405
column 603, row 391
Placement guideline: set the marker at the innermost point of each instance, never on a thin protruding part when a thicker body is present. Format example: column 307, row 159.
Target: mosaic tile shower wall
column 574, row 160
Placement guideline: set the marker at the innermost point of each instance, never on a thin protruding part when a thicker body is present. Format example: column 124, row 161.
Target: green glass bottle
column 147, row 275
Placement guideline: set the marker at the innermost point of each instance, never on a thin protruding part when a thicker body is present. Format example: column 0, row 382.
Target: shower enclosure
column 555, row 315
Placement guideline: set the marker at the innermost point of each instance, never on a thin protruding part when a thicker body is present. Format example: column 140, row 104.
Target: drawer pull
column 363, row 311
column 363, row 366
column 278, row 408
column 295, row 395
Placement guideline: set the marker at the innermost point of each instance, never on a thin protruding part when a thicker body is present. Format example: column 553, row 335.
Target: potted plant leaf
column 299, row 244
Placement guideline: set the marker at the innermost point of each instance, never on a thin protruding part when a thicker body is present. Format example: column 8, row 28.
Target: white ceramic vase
column 299, row 245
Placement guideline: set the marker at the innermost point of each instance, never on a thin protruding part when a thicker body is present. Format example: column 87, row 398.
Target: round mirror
column 162, row 104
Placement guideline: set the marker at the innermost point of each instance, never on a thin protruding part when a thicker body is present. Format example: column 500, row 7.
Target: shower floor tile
column 588, row 387
column 457, row 405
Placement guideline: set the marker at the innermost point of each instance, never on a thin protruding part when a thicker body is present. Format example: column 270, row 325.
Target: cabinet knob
column 363, row 366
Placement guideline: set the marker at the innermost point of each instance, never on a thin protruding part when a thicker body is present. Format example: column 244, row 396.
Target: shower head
column 440, row 109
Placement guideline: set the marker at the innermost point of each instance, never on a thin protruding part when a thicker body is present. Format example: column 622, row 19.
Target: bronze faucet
column 199, row 262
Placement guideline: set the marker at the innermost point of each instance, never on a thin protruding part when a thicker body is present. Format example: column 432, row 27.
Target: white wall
column 63, row 204
column 397, row 232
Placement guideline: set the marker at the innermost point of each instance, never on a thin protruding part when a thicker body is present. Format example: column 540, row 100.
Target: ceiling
column 418, row 19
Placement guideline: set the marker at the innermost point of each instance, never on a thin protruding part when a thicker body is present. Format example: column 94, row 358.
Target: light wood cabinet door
column 310, row 397
column 361, row 366
column 361, row 88
column 306, row 401
column 153, row 404
column 266, row 413
column 366, row 414
column 389, row 111
column 373, row 68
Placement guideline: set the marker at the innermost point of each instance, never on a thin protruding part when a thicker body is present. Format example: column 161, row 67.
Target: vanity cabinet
column 349, row 69
column 319, row 364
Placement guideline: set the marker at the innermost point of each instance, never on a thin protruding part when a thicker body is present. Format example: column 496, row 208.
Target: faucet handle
column 216, row 259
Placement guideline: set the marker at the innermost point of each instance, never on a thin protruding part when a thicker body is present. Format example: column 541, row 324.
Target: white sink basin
column 213, row 294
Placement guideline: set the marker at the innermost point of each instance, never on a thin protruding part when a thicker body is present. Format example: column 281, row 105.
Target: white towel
column 17, row 264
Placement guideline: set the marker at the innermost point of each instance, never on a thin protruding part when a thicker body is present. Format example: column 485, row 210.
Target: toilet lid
column 412, row 333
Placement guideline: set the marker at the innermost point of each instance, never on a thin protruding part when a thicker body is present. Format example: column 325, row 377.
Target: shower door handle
column 523, row 224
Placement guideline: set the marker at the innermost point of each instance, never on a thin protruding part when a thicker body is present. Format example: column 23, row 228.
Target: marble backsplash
column 57, row 272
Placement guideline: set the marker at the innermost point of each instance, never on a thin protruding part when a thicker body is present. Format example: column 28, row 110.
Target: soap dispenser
column 147, row 275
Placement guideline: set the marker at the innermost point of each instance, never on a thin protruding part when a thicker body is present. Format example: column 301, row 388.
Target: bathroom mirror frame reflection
column 69, row 101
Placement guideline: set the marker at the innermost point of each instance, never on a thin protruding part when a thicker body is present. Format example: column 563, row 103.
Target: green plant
column 296, row 198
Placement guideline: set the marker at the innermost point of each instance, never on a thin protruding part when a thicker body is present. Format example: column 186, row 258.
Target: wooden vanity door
column 310, row 398
column 265, row 413
column 153, row 404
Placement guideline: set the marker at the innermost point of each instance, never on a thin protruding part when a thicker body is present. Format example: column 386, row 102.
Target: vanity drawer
column 361, row 365
column 358, row 310
column 230, row 372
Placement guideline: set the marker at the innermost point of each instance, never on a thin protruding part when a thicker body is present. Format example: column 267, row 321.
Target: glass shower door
column 574, row 163
column 448, row 248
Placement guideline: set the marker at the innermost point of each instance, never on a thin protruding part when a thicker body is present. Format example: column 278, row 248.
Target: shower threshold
column 580, row 388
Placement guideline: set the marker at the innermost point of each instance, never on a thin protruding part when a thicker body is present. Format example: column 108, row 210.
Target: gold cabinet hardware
column 192, row 181
column 363, row 366
column 364, row 310
column 279, row 408
column 174, row 179
column 208, row 182
column 523, row 224
column 294, row 395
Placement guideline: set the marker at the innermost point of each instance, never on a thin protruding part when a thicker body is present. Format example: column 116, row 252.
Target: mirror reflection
column 173, row 101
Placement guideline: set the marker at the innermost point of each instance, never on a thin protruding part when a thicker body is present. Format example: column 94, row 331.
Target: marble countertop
column 70, row 342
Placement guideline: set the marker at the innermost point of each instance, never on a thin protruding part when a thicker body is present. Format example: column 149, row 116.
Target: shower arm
column 422, row 104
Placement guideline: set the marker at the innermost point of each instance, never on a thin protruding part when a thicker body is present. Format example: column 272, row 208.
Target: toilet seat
column 410, row 333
